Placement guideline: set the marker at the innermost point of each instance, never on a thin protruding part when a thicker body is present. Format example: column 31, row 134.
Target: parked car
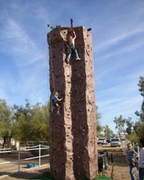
column 108, row 139
column 101, row 141
column 115, row 142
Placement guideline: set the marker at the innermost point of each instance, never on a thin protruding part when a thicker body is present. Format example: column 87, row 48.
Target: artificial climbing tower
column 73, row 150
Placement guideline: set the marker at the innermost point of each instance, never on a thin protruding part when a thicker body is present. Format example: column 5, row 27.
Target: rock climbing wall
column 73, row 150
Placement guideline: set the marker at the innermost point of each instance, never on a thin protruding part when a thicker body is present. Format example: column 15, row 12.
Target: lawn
column 47, row 177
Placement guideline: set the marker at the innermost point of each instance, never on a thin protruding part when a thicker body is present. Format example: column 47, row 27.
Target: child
column 71, row 36
column 130, row 157
column 71, row 43
column 55, row 104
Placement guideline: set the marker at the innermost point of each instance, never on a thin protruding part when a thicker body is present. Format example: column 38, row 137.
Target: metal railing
column 135, row 147
column 38, row 148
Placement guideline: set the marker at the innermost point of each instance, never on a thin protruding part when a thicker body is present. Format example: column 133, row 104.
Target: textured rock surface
column 73, row 134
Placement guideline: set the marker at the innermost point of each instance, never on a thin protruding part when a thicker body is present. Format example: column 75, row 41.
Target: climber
column 70, row 42
column 55, row 105
column 71, row 45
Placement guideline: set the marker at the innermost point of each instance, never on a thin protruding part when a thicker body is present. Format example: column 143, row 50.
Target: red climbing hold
column 78, row 157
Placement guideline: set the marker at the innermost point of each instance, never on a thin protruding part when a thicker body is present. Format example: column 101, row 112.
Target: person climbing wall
column 71, row 45
column 55, row 105
column 70, row 42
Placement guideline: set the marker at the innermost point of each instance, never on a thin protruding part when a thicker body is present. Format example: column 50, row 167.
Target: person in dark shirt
column 54, row 100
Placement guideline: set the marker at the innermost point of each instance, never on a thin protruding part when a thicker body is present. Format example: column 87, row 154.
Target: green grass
column 47, row 177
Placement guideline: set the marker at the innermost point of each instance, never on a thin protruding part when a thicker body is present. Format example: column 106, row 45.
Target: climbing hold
column 78, row 157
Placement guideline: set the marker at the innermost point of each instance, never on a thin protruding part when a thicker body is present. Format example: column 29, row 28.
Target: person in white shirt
column 141, row 159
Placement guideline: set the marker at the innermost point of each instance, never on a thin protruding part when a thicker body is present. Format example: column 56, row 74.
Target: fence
column 135, row 147
column 124, row 145
column 38, row 148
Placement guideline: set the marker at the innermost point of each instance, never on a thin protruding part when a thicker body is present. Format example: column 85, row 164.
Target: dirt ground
column 119, row 170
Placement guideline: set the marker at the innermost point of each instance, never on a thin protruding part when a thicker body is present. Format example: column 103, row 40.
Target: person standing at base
column 130, row 157
column 141, row 159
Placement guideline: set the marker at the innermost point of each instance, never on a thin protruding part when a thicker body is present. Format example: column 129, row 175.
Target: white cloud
column 119, row 38
column 18, row 43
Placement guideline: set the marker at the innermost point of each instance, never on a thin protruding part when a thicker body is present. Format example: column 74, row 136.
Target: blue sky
column 118, row 49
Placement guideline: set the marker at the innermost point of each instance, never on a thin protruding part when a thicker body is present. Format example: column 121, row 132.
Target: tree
column 108, row 132
column 129, row 124
column 139, row 126
column 5, row 121
column 99, row 126
column 31, row 122
column 120, row 123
